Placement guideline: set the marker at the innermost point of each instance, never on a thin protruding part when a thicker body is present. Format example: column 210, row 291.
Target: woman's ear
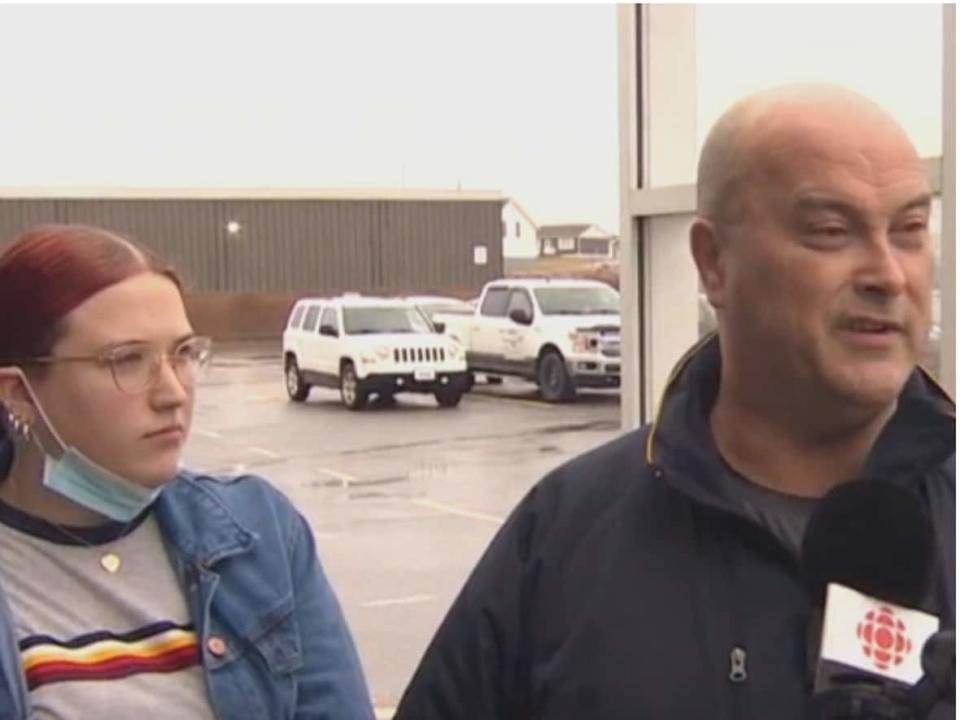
column 15, row 400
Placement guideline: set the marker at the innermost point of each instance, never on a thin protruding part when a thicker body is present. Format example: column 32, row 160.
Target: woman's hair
column 49, row 270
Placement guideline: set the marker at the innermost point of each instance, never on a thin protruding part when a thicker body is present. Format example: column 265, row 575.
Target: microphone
column 868, row 557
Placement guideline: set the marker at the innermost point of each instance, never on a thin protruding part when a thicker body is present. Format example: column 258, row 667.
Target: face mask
column 80, row 479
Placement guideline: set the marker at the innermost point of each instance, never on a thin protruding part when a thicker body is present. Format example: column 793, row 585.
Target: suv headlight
column 455, row 350
column 378, row 354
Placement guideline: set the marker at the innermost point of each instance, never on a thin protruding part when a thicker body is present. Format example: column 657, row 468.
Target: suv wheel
column 352, row 395
column 297, row 389
column 553, row 380
column 448, row 398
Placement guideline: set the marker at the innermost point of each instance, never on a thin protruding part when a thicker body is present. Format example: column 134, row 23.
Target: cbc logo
column 884, row 638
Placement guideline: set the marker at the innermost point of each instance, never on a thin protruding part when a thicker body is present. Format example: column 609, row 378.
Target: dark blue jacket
column 624, row 584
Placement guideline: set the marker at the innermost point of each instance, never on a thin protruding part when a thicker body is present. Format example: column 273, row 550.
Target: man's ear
column 708, row 250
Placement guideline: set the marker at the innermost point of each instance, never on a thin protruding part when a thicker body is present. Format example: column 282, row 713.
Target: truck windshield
column 578, row 300
column 374, row 320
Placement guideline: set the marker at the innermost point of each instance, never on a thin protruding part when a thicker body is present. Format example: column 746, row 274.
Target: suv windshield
column 578, row 300
column 372, row 320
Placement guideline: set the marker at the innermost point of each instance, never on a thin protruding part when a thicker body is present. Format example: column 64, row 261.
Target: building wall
column 518, row 245
column 295, row 246
column 595, row 246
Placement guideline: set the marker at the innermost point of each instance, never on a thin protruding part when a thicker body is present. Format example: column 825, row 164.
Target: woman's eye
column 129, row 357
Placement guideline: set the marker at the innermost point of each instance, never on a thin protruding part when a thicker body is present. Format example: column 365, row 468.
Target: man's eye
column 914, row 226
column 831, row 231
column 830, row 235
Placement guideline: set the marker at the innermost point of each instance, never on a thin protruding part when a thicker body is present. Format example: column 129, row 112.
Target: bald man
column 657, row 577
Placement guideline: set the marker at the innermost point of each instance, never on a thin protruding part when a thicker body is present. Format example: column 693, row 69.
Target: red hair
column 51, row 269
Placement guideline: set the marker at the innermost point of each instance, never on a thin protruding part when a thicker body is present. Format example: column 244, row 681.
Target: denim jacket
column 249, row 569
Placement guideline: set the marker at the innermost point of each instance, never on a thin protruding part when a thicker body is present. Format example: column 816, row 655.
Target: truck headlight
column 455, row 350
column 583, row 341
column 382, row 352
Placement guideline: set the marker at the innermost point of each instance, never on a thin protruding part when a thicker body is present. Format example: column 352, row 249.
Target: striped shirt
column 96, row 643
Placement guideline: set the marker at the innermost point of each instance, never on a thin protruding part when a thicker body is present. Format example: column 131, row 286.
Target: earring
column 21, row 428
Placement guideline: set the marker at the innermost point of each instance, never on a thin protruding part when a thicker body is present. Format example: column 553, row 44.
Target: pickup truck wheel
column 297, row 389
column 352, row 395
column 553, row 379
column 448, row 398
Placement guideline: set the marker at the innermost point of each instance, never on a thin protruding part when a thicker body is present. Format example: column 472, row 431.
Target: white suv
column 366, row 346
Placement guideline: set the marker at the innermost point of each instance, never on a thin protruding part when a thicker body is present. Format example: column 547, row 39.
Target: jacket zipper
column 737, row 678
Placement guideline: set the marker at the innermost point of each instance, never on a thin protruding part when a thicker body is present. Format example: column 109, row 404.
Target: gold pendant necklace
column 110, row 562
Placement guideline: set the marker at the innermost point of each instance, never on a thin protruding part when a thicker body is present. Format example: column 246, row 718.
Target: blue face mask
column 78, row 478
column 81, row 480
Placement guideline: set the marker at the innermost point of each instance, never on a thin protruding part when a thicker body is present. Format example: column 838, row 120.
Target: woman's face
column 138, row 435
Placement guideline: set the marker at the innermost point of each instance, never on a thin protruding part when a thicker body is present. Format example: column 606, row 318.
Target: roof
column 357, row 301
column 561, row 230
column 519, row 207
column 434, row 299
column 239, row 193
column 548, row 282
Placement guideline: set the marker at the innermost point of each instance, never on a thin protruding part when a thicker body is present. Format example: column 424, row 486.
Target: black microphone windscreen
column 871, row 536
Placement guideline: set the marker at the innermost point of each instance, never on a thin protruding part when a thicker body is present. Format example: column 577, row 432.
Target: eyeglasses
column 136, row 367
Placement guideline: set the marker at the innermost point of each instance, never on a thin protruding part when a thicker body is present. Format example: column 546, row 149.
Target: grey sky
column 520, row 99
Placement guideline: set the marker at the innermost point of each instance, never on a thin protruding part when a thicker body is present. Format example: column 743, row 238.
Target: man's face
column 830, row 268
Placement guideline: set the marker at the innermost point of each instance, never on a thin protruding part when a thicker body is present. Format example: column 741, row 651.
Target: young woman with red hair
column 133, row 587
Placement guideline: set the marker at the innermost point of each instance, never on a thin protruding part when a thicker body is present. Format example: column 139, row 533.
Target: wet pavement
column 403, row 499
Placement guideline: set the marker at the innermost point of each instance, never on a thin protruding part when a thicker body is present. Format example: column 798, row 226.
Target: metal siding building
column 293, row 242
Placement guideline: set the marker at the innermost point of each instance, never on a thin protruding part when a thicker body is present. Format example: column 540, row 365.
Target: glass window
column 520, row 300
column 907, row 82
column 591, row 300
column 495, row 302
column 297, row 316
column 329, row 319
column 310, row 322
column 385, row 319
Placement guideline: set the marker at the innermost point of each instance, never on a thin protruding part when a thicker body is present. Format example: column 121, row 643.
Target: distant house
column 580, row 240
column 519, row 232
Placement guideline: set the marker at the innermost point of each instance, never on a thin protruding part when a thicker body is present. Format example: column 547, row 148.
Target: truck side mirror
column 521, row 317
column 439, row 327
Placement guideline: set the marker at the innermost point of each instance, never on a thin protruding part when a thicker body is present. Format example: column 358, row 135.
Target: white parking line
column 451, row 510
column 266, row 453
column 409, row 600
column 209, row 434
column 384, row 713
column 345, row 480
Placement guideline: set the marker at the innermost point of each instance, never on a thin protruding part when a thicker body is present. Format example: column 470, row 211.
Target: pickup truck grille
column 414, row 355
column 610, row 347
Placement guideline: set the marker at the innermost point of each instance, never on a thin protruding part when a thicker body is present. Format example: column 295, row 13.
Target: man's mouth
column 873, row 326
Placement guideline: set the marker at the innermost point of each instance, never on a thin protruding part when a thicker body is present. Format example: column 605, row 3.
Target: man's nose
column 881, row 271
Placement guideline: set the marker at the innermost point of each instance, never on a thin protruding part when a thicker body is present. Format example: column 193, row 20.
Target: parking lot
column 402, row 499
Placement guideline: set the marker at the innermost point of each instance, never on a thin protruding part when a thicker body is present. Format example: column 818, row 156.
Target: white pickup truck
column 562, row 334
